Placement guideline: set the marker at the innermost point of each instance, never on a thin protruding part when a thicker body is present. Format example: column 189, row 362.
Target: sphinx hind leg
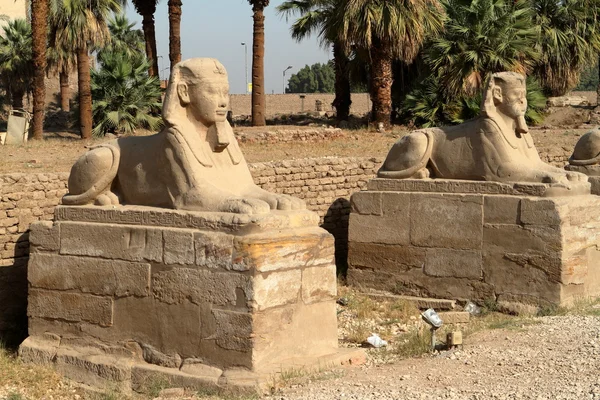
column 92, row 176
column 408, row 157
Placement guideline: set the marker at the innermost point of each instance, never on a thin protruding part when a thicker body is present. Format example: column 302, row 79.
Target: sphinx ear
column 182, row 92
column 497, row 94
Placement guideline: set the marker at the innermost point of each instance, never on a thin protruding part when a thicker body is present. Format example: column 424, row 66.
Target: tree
column 82, row 24
column 39, row 28
column 569, row 41
column 319, row 16
column 258, row 62
column 61, row 61
column 147, row 8
column 174, row 31
column 479, row 37
column 16, row 61
column 388, row 30
column 124, row 95
column 123, row 38
column 318, row 78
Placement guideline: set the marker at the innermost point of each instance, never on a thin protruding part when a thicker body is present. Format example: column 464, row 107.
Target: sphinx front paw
column 245, row 206
column 283, row 202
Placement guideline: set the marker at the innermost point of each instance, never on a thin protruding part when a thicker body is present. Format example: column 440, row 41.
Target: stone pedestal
column 123, row 295
column 475, row 240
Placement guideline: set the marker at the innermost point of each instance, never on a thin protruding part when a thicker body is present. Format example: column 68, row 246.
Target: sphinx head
column 203, row 90
column 506, row 94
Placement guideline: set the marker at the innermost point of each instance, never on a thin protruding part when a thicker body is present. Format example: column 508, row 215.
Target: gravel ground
column 553, row 358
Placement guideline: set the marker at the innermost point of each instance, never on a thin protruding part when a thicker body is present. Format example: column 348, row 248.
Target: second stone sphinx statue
column 195, row 163
column 495, row 146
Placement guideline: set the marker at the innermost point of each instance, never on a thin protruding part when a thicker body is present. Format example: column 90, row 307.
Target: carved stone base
column 474, row 240
column 119, row 295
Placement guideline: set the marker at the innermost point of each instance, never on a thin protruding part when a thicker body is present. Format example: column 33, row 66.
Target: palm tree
column 124, row 95
column 569, row 41
column 390, row 30
column 258, row 62
column 482, row 36
column 123, row 38
column 82, row 25
column 61, row 61
column 319, row 16
column 16, row 61
column 147, row 8
column 174, row 31
column 39, row 28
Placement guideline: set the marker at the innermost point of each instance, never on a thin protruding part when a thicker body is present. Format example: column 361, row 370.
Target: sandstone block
column 386, row 229
column 276, row 289
column 143, row 375
column 540, row 212
column 215, row 250
column 454, row 317
column 319, row 283
column 501, row 209
column 89, row 275
column 70, row 307
column 234, row 330
column 274, row 251
column 511, row 277
column 366, row 203
column 89, row 367
column 44, row 236
column 195, row 366
column 382, row 257
column 435, row 220
column 38, row 351
column 176, row 285
column 123, row 242
column 454, row 263
column 178, row 246
column 153, row 356
column 521, row 239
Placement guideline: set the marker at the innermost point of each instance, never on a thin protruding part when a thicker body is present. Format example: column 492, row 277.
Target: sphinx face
column 209, row 100
column 514, row 101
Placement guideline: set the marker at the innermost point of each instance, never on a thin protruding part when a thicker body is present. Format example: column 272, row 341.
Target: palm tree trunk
column 39, row 22
column 174, row 32
column 598, row 87
column 343, row 98
column 150, row 37
column 381, row 83
column 258, row 68
column 64, row 90
column 85, row 93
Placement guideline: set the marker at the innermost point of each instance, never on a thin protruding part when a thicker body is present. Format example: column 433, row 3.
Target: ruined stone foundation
column 474, row 240
column 124, row 295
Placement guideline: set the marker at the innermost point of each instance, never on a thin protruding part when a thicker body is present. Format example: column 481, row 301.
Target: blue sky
column 216, row 28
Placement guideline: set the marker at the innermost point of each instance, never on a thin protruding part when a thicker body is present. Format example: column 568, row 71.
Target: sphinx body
column 495, row 146
column 195, row 163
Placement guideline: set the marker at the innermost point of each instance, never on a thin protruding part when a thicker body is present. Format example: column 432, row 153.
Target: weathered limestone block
column 504, row 242
column 251, row 292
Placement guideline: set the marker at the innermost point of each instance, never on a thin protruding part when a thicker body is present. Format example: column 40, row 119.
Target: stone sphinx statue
column 495, row 146
column 194, row 163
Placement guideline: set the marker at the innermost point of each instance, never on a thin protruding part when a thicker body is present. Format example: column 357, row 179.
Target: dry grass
column 31, row 381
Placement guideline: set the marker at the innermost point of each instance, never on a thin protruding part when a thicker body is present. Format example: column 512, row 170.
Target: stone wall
column 325, row 183
column 24, row 198
column 292, row 104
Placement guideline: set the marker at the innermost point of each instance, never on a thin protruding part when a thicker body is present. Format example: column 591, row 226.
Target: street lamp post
column 283, row 88
column 246, row 63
